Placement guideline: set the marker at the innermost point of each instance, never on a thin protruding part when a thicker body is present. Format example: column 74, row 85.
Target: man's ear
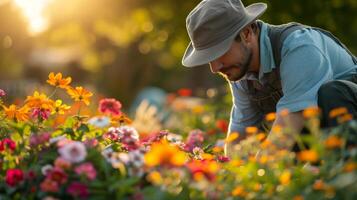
column 246, row 34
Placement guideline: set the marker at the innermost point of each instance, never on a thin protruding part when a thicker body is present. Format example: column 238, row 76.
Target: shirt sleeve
column 304, row 68
column 243, row 113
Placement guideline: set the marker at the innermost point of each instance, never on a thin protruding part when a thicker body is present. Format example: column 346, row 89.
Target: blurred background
column 116, row 48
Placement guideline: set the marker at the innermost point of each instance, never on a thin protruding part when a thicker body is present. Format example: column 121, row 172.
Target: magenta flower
column 194, row 139
column 40, row 113
column 7, row 143
column 77, row 189
column 87, row 169
column 110, row 106
column 14, row 177
column 2, row 93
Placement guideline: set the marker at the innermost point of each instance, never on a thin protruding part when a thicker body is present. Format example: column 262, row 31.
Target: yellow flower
column 79, row 94
column 311, row 112
column 308, row 156
column 60, row 108
column 38, row 100
column 337, row 111
column 198, row 109
column 285, row 178
column 239, row 191
column 154, row 177
column 164, row 154
column 333, row 142
column 20, row 114
column 56, row 80
column 233, row 136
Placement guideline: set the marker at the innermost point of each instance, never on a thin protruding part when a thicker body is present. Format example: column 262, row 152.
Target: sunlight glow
column 33, row 11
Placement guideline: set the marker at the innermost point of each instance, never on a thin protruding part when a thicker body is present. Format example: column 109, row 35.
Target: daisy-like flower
column 74, row 152
column 58, row 81
column 110, row 106
column 20, row 114
column 39, row 100
column 79, row 94
column 60, row 108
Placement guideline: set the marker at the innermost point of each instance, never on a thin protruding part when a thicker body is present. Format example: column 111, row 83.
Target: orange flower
column 350, row 167
column 122, row 119
column 285, row 178
column 333, row 142
column 239, row 191
column 154, row 177
column 345, row 118
column 318, row 185
column 311, row 112
column 270, row 117
column 60, row 108
column 250, row 130
column 232, row 137
column 308, row 156
column 337, row 111
column 203, row 169
column 20, row 114
column 79, row 94
column 164, row 154
column 56, row 80
column 38, row 100
column 298, row 197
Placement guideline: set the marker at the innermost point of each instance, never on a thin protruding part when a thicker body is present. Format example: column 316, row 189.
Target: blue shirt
column 308, row 59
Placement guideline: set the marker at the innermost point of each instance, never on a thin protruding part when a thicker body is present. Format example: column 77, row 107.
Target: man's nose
column 215, row 66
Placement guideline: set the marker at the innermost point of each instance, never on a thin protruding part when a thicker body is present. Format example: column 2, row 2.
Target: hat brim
column 193, row 57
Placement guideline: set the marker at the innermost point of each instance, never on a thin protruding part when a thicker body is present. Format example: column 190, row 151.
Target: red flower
column 203, row 168
column 77, row 189
column 49, row 185
column 222, row 125
column 57, row 175
column 7, row 142
column 184, row 92
column 14, row 176
column 110, row 106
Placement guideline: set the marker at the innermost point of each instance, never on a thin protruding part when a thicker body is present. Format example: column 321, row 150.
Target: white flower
column 74, row 152
column 107, row 153
column 100, row 121
column 46, row 169
column 56, row 139
column 136, row 158
column 125, row 131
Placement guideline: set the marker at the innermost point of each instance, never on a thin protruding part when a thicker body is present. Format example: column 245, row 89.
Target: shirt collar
column 267, row 63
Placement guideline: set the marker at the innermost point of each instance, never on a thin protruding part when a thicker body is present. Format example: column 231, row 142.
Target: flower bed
column 50, row 150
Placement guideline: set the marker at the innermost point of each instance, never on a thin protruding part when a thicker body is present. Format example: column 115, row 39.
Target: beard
column 237, row 71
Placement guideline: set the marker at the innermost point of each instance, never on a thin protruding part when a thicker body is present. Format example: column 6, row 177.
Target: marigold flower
column 239, row 191
column 14, row 177
column 333, row 142
column 110, row 106
column 250, row 130
column 164, row 154
column 233, row 136
column 308, row 156
column 345, row 118
column 318, row 185
column 311, row 112
column 207, row 168
column 58, row 81
column 39, row 100
column 337, row 112
column 59, row 107
column 285, row 177
column 350, row 166
column 21, row 114
column 79, row 94
column 270, row 116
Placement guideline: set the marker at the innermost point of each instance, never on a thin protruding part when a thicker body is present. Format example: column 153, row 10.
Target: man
column 271, row 68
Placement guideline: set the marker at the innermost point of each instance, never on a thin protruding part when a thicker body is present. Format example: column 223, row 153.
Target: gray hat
column 212, row 26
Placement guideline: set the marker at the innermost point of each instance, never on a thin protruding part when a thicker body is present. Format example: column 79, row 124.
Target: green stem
column 53, row 93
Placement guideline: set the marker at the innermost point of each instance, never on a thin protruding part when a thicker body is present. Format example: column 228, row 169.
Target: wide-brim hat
column 212, row 26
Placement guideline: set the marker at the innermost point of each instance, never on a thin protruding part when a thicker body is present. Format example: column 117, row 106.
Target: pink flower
column 110, row 106
column 2, row 93
column 62, row 163
column 86, row 169
column 91, row 142
column 194, row 139
column 7, row 143
column 40, row 113
column 223, row 159
column 36, row 140
column 14, row 177
column 73, row 152
column 49, row 185
column 129, row 137
column 77, row 189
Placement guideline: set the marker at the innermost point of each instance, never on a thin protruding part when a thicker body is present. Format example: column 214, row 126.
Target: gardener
column 271, row 68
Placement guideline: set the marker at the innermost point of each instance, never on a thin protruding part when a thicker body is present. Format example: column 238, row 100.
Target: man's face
column 234, row 64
